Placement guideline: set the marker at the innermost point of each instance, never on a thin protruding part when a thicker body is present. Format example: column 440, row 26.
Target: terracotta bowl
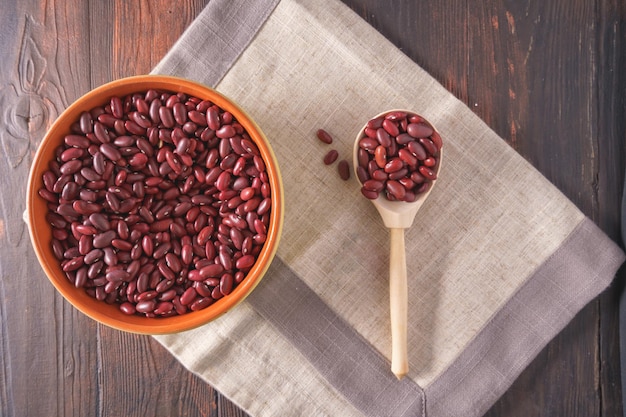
column 41, row 231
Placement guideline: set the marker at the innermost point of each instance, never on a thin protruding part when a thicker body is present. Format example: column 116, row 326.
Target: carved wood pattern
column 28, row 105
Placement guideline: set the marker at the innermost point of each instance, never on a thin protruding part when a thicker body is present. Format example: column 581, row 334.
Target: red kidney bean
column 390, row 127
column 436, row 139
column 71, row 167
column 128, row 308
column 86, row 122
column 85, row 244
column 396, row 175
column 343, row 167
column 223, row 181
column 188, row 296
column 201, row 303
column 331, row 157
column 163, row 308
column 110, row 256
column 173, row 262
column 73, row 264
column 121, row 245
column 383, row 137
column 430, row 162
column 71, row 153
column 165, row 284
column 427, row 173
column 78, row 141
column 93, row 256
column 265, row 205
column 111, row 152
column 145, row 306
column 81, row 277
column 186, row 254
column 226, row 284
column 372, row 195
column 99, row 221
column 380, row 156
column 245, row 262
column 324, row 136
column 117, row 275
column 419, row 130
column 225, row 131
column 393, row 165
column 373, row 185
column 369, row 144
column 148, row 295
column 103, row 239
column 212, row 270
column 216, row 294
column 396, row 189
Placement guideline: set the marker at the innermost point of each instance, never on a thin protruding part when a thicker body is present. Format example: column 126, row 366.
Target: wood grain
column 547, row 76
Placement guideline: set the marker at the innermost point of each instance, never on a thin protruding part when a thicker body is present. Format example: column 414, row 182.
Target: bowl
column 41, row 231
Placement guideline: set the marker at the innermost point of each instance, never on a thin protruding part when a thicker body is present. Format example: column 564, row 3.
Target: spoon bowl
column 397, row 216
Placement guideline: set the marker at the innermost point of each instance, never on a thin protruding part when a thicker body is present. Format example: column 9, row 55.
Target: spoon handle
column 398, row 303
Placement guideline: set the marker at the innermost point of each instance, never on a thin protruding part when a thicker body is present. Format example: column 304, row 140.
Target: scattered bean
column 324, row 136
column 331, row 157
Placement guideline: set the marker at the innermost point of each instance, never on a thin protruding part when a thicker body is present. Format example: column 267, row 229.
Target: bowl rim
column 40, row 238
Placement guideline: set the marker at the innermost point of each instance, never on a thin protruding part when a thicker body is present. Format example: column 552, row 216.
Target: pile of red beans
column 398, row 156
column 159, row 202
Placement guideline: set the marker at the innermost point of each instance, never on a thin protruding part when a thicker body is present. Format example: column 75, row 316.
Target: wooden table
column 547, row 75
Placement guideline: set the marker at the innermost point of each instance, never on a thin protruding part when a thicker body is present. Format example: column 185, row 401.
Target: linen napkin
column 499, row 261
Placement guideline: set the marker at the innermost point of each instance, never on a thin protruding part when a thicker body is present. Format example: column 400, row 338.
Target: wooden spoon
column 397, row 216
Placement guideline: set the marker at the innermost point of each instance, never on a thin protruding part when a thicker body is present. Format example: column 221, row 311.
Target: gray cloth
column 499, row 261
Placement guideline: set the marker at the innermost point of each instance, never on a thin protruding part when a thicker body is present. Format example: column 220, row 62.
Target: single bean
column 429, row 146
column 226, row 284
column 110, row 152
column 396, row 189
column 103, row 239
column 245, row 262
column 324, row 136
column 383, row 137
column 145, row 306
column 165, row 284
column 419, row 130
column 390, row 127
column 344, row 170
column 213, row 270
column 201, row 303
column 128, row 308
column 78, row 141
column 331, row 157
column 71, row 167
column 380, row 156
column 427, row 173
column 393, row 165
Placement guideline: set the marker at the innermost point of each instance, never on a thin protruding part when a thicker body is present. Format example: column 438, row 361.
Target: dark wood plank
column 611, row 138
column 140, row 378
